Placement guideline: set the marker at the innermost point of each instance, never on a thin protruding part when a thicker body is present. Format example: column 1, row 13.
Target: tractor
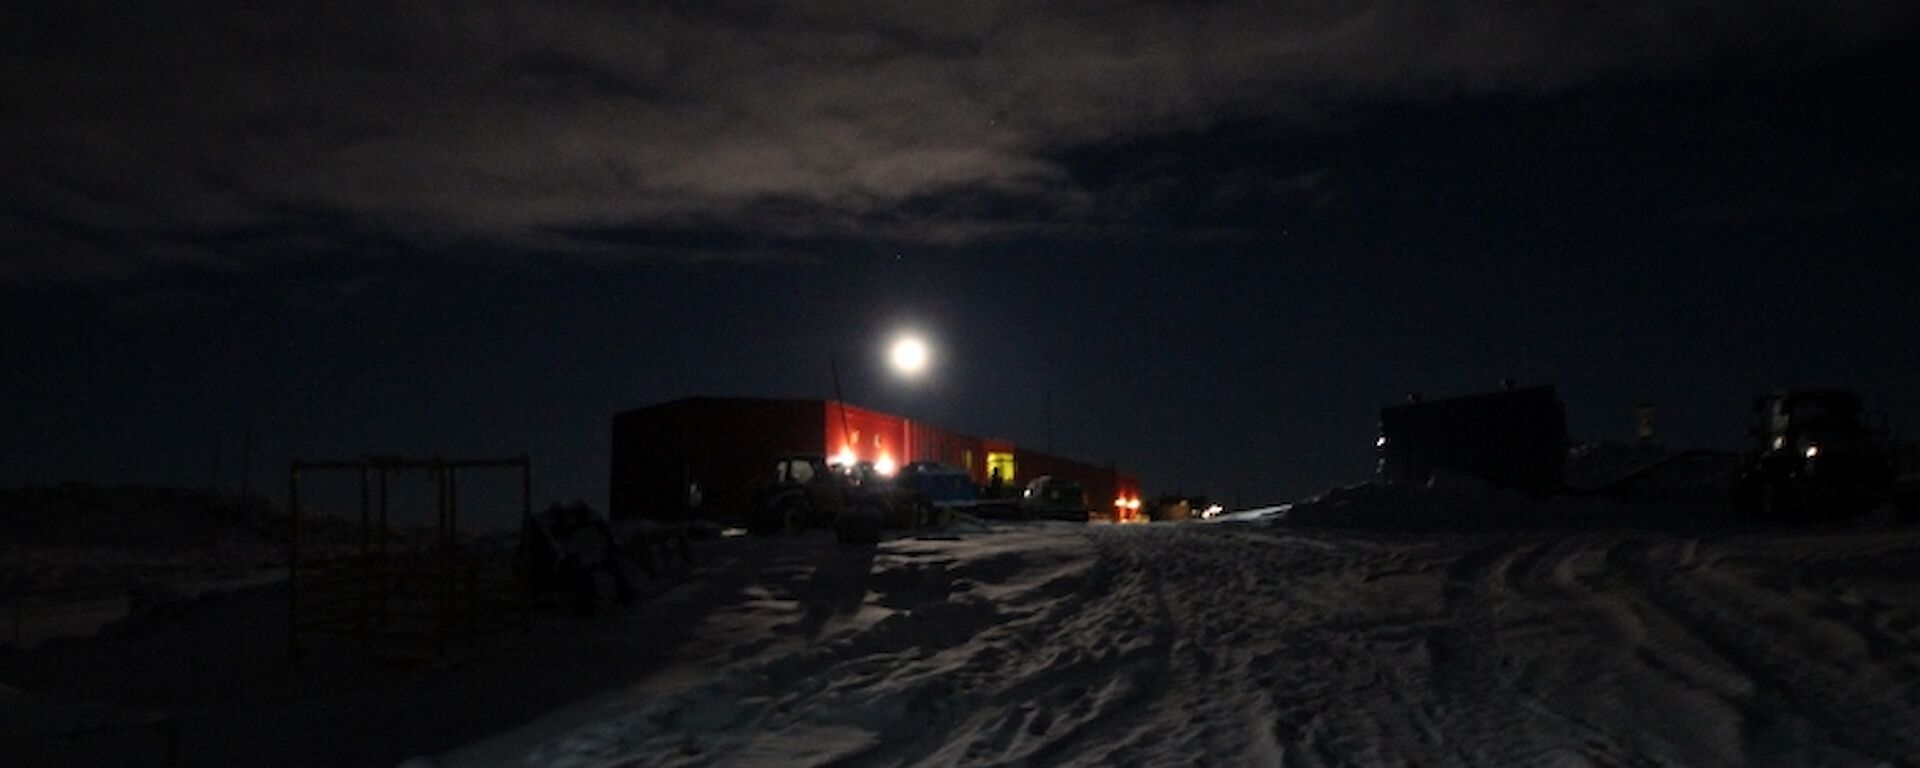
column 854, row 500
column 1813, row 456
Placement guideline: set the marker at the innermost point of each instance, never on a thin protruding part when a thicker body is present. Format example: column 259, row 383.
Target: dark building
column 722, row 445
column 1514, row 439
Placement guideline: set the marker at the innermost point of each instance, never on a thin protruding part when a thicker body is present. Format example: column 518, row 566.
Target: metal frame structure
column 381, row 591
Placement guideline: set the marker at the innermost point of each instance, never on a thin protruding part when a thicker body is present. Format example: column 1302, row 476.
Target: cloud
column 141, row 131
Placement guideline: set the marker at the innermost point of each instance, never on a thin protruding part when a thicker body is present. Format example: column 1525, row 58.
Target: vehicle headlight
column 1812, row 451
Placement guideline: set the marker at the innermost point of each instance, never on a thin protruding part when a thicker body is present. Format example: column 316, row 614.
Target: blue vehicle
column 940, row 489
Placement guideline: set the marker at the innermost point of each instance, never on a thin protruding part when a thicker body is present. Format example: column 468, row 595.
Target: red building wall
column 725, row 445
column 871, row 435
column 865, row 434
column 931, row 443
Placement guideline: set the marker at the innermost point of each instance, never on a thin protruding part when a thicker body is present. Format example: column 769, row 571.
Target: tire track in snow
column 1336, row 650
column 1866, row 709
column 1144, row 669
column 1048, row 689
column 1235, row 644
column 988, row 675
column 888, row 695
column 1472, row 654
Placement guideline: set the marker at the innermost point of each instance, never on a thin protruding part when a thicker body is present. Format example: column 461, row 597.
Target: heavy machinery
column 1051, row 498
column 804, row 492
column 1813, row 456
column 853, row 499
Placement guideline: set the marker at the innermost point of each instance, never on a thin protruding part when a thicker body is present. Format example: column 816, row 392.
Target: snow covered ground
column 1651, row 635
column 1255, row 643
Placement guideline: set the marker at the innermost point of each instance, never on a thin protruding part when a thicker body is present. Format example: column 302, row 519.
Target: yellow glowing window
column 1003, row 462
column 966, row 458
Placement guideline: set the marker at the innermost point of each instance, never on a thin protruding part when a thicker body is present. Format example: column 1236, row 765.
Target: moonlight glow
column 909, row 355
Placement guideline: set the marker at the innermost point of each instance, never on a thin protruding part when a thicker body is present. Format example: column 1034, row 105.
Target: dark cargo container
column 698, row 457
column 1515, row 439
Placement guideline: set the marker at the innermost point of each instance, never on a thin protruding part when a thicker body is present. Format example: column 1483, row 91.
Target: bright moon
column 909, row 355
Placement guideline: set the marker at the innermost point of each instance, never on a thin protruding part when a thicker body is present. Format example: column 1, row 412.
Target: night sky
column 1216, row 236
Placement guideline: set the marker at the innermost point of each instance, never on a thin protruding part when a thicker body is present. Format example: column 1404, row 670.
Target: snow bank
column 79, row 558
column 1239, row 643
column 1453, row 502
column 1608, row 485
column 1252, row 644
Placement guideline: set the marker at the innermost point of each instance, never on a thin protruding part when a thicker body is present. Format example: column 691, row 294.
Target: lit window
column 1001, row 461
